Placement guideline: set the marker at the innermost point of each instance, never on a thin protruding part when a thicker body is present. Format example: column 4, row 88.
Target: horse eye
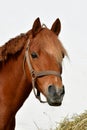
column 63, row 55
column 34, row 55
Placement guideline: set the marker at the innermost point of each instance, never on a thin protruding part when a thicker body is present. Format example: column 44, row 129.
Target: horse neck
column 13, row 71
column 14, row 82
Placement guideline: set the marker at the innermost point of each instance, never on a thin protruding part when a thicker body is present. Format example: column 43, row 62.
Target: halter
column 35, row 74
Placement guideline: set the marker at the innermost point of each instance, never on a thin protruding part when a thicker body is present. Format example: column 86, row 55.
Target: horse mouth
column 52, row 102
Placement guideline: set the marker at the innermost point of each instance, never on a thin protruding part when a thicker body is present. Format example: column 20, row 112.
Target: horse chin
column 54, row 103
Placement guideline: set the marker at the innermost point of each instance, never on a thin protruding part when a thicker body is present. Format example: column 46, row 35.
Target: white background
column 17, row 17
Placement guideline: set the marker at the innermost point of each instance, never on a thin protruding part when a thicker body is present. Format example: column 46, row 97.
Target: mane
column 13, row 46
column 61, row 52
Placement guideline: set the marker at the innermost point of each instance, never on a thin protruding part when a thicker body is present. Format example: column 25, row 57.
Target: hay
column 77, row 122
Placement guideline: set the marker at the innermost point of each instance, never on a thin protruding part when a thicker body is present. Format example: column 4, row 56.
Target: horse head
column 44, row 56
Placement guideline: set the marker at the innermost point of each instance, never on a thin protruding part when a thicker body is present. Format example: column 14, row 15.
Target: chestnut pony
column 30, row 61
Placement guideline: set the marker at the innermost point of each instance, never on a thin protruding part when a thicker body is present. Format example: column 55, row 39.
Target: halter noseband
column 35, row 74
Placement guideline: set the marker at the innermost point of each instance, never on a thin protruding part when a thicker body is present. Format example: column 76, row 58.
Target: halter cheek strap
column 35, row 74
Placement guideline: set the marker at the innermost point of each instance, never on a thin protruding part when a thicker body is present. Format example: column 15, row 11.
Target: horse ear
column 36, row 26
column 56, row 27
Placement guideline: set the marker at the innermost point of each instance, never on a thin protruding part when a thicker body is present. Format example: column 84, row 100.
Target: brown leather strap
column 45, row 73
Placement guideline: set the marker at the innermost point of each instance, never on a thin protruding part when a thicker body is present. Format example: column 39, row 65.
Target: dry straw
column 77, row 122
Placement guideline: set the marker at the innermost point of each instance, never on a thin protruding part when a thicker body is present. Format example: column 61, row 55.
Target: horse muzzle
column 55, row 95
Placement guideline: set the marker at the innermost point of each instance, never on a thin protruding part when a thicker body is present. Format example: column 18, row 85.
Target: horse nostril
column 63, row 90
column 52, row 90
